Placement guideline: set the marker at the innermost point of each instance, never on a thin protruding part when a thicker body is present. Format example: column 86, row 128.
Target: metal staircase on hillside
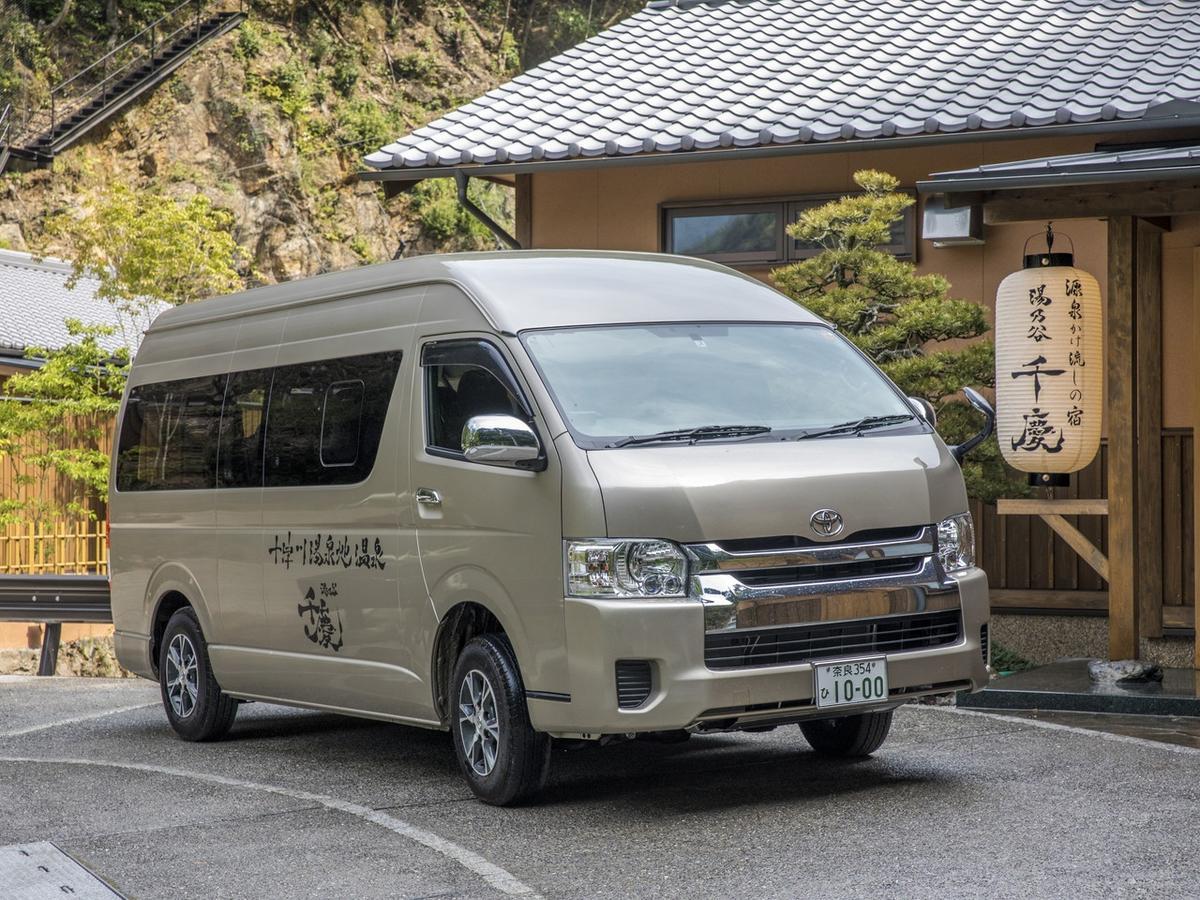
column 121, row 76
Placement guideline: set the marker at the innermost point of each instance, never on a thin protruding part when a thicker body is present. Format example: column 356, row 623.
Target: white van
column 533, row 496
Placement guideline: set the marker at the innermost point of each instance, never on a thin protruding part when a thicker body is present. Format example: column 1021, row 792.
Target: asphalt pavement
column 302, row 804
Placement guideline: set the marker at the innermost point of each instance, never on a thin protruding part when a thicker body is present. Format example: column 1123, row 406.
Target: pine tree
column 899, row 318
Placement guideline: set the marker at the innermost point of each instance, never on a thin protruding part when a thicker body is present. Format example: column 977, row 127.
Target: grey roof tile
column 684, row 75
column 36, row 302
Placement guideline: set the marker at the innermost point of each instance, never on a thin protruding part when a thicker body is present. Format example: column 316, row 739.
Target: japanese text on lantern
column 1041, row 430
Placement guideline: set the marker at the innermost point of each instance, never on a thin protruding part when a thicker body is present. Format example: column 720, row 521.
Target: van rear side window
column 169, row 435
column 315, row 423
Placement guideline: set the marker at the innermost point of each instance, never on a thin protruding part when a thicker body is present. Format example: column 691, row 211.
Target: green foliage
column 141, row 245
column 54, row 419
column 249, row 42
column 1006, row 661
column 900, row 318
column 345, row 73
column 419, row 66
column 364, row 123
column 444, row 221
column 358, row 243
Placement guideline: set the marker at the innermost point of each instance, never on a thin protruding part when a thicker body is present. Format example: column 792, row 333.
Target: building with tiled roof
column 706, row 128
column 36, row 302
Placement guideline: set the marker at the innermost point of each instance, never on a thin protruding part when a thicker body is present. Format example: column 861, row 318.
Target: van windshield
column 741, row 382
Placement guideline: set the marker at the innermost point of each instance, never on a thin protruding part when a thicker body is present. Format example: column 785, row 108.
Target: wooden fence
column 59, row 547
column 1025, row 560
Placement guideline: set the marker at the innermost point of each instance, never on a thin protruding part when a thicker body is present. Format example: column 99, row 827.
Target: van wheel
column 196, row 706
column 848, row 736
column 503, row 759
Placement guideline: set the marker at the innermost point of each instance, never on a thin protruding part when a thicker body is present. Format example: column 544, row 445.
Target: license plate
column 851, row 682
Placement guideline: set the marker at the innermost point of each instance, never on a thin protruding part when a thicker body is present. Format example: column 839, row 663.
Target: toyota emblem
column 826, row 522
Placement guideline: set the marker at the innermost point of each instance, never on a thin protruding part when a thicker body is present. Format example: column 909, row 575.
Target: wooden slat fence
column 1020, row 553
column 62, row 547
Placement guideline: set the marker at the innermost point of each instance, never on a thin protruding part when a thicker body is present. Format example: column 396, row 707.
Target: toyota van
column 534, row 497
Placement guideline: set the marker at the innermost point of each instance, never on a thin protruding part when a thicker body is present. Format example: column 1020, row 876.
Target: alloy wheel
column 478, row 722
column 183, row 675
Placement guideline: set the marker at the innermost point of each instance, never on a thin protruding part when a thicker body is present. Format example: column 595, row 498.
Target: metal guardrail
column 97, row 80
column 52, row 600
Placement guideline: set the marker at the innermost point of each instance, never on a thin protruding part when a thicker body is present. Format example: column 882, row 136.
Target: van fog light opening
column 956, row 542
column 625, row 568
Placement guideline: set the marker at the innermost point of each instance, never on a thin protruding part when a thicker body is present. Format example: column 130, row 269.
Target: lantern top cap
column 1049, row 258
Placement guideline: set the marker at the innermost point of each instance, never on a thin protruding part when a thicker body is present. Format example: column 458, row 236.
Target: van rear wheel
column 196, row 706
column 502, row 758
column 848, row 736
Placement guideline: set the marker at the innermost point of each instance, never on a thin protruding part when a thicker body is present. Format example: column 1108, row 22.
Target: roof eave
column 1111, row 126
column 1019, row 181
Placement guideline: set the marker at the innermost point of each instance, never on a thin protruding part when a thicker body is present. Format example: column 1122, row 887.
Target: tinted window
column 458, row 392
column 341, row 423
column 169, row 435
column 245, row 411
column 325, row 419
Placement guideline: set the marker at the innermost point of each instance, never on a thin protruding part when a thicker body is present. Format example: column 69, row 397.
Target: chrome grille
column 804, row 643
column 754, row 583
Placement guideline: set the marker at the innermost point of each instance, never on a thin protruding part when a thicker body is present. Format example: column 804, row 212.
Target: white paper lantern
column 1049, row 366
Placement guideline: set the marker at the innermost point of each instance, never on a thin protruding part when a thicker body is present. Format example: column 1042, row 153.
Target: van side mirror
column 498, row 440
column 958, row 451
column 924, row 409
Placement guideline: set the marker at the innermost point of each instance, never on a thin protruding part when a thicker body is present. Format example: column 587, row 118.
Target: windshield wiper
column 858, row 426
column 692, row 434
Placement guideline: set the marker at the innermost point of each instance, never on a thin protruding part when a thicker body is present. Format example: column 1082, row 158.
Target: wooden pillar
column 1119, row 419
column 1134, row 425
column 1195, row 363
column 524, row 213
column 1148, row 372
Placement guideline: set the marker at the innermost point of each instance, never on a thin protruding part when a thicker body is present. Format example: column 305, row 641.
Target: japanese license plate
column 851, row 682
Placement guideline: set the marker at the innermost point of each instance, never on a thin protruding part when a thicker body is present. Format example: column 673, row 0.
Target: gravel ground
column 300, row 804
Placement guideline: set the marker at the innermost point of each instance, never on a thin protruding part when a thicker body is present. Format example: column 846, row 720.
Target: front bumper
column 685, row 693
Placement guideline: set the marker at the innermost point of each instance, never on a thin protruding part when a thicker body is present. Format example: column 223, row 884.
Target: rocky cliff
column 270, row 121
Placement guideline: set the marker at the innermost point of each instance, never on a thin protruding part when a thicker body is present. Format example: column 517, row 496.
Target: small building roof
column 1101, row 167
column 681, row 76
column 35, row 303
column 517, row 290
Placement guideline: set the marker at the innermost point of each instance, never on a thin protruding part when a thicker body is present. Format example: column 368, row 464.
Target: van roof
column 525, row 289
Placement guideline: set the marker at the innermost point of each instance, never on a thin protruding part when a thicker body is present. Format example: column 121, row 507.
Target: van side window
column 168, row 437
column 240, row 459
column 325, row 419
column 461, row 382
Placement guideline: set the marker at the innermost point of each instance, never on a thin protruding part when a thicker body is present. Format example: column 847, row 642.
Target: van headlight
column 625, row 569
column 956, row 542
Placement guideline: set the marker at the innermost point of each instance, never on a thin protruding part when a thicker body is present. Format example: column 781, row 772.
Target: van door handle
column 428, row 497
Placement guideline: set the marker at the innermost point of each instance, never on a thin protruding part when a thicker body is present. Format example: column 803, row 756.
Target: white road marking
column 30, row 729
column 499, row 878
column 1070, row 729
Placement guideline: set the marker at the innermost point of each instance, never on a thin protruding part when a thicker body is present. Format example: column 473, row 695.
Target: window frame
column 673, row 213
column 483, row 354
column 787, row 207
column 362, row 399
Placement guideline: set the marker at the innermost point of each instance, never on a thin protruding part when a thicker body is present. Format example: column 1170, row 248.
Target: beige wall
column 616, row 208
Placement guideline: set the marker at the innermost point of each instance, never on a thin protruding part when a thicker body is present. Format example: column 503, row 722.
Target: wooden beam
column 1070, row 602
column 1076, row 540
column 1149, row 199
column 1147, row 354
column 1121, row 419
column 1064, row 507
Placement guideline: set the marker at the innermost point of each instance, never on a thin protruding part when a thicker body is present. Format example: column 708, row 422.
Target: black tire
column 848, row 736
column 520, row 756
column 211, row 711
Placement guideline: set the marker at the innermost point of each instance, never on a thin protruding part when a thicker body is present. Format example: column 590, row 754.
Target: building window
column 752, row 233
